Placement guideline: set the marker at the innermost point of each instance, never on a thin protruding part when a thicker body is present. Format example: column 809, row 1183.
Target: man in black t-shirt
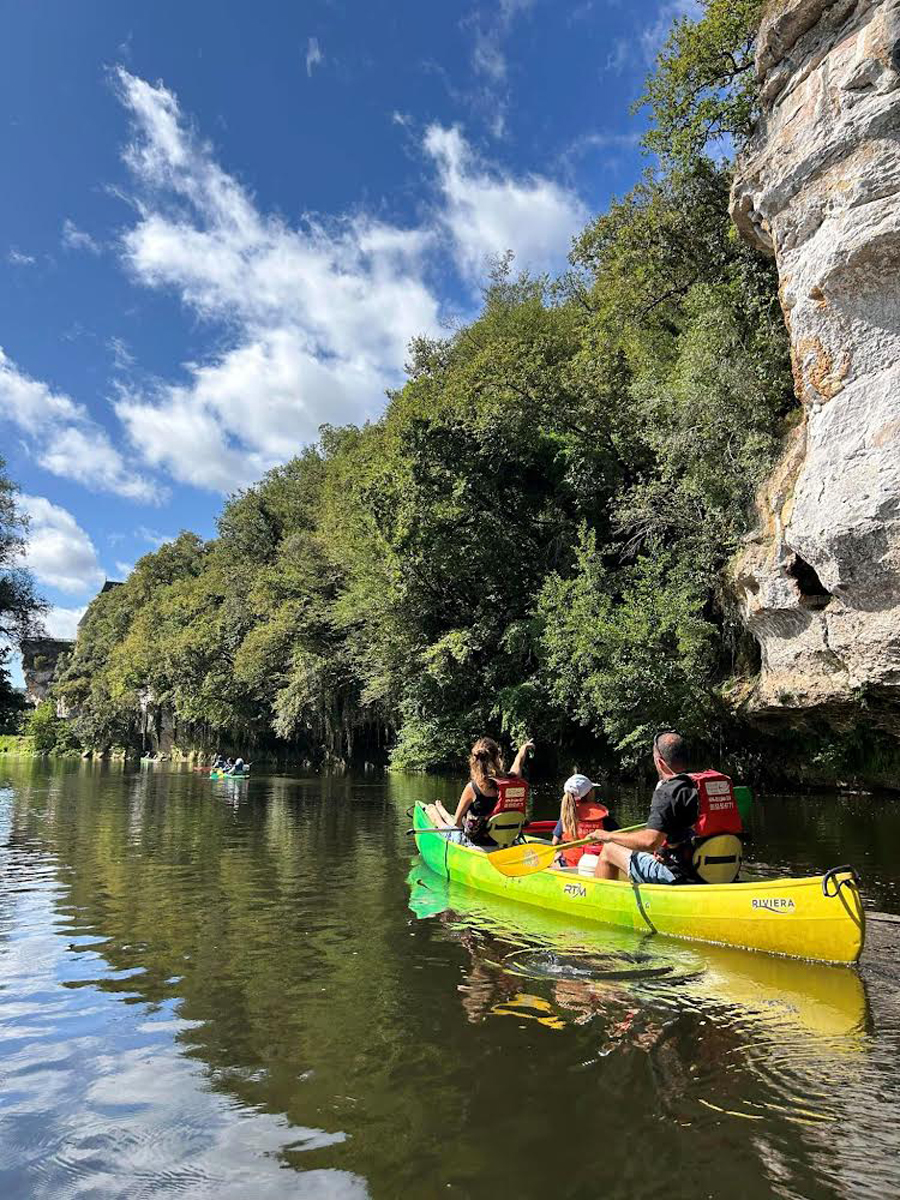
column 661, row 852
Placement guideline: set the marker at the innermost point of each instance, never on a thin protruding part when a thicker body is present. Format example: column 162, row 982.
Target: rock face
column 819, row 187
column 40, row 657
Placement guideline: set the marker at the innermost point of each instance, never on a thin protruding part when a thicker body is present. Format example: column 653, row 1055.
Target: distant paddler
column 693, row 832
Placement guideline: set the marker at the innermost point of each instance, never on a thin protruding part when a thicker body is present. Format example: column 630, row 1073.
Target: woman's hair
column 568, row 816
column 485, row 760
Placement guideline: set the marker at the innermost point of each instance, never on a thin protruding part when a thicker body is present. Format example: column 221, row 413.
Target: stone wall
column 819, row 187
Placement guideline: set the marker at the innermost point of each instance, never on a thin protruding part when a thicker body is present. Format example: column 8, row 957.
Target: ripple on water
column 214, row 1000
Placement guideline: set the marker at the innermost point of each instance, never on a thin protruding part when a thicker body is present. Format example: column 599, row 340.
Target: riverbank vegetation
column 20, row 606
column 534, row 535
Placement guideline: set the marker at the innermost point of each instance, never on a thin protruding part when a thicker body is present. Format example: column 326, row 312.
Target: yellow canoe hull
column 819, row 917
column 776, row 992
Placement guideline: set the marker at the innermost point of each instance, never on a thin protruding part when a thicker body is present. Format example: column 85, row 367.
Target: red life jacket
column 512, row 794
column 589, row 817
column 718, row 811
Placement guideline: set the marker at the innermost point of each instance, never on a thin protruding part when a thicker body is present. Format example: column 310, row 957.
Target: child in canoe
column 581, row 814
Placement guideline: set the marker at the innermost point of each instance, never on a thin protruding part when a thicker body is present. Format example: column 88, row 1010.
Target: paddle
column 533, row 827
column 530, row 857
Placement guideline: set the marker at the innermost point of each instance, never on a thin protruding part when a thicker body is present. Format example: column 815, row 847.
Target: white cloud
column 152, row 537
column 124, row 568
column 86, row 455
column 580, row 12
column 58, row 550
column 314, row 55
column 321, row 316
column 614, row 146
column 123, row 359
column 605, row 140
column 317, row 316
column 487, row 213
column 491, row 27
column 653, row 36
column 620, row 55
column 18, row 259
column 74, row 238
column 639, row 51
column 64, row 438
column 63, row 622
column 30, row 404
column 488, row 57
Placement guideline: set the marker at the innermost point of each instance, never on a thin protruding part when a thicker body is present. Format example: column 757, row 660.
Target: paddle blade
column 524, row 859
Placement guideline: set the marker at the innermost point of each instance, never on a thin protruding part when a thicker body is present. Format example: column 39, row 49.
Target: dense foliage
column 48, row 732
column 20, row 606
column 533, row 535
column 703, row 93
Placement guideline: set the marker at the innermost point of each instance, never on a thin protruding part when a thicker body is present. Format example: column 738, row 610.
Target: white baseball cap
column 579, row 785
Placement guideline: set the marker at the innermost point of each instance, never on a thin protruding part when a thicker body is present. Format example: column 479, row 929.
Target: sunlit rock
column 819, row 187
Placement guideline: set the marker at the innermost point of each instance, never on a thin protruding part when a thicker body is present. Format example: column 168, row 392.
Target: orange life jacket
column 717, row 814
column 589, row 817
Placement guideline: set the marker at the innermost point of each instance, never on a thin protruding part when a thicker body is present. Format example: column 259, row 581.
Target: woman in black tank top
column 479, row 796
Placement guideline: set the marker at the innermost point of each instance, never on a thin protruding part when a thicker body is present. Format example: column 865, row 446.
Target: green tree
column 21, row 608
column 702, row 94
column 703, row 91
column 533, row 537
column 47, row 731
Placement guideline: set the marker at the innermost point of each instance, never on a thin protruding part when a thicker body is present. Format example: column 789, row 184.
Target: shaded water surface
column 255, row 990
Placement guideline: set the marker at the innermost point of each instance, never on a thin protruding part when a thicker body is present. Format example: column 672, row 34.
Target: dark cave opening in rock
column 813, row 593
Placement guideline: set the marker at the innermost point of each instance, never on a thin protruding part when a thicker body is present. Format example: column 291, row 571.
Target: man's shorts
column 644, row 868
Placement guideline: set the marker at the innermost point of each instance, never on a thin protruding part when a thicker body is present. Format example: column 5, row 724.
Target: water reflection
column 213, row 990
column 725, row 1035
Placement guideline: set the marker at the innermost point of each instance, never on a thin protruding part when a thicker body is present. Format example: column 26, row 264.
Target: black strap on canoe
column 832, row 877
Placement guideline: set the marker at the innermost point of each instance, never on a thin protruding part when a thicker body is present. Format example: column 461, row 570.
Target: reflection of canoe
column 783, row 991
column 782, row 916
column 778, row 993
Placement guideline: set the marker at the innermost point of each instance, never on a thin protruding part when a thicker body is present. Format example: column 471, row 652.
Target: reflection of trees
column 275, row 919
column 710, row 1036
column 271, row 923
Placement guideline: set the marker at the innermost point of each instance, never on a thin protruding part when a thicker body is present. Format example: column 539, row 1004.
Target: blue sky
column 220, row 224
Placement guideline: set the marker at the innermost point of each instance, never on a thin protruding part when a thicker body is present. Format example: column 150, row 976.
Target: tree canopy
column 533, row 536
column 702, row 95
column 20, row 606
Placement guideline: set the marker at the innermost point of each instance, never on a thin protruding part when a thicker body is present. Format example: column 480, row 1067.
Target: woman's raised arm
column 521, row 754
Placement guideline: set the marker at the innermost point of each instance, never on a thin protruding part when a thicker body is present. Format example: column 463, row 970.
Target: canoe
column 214, row 774
column 775, row 992
column 819, row 917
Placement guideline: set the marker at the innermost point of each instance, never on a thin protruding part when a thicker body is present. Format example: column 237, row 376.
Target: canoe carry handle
column 832, row 876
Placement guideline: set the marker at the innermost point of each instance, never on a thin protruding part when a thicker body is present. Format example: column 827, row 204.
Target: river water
column 256, row 990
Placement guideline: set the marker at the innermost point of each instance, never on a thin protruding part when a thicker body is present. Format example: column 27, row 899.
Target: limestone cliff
column 819, row 187
column 40, row 662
